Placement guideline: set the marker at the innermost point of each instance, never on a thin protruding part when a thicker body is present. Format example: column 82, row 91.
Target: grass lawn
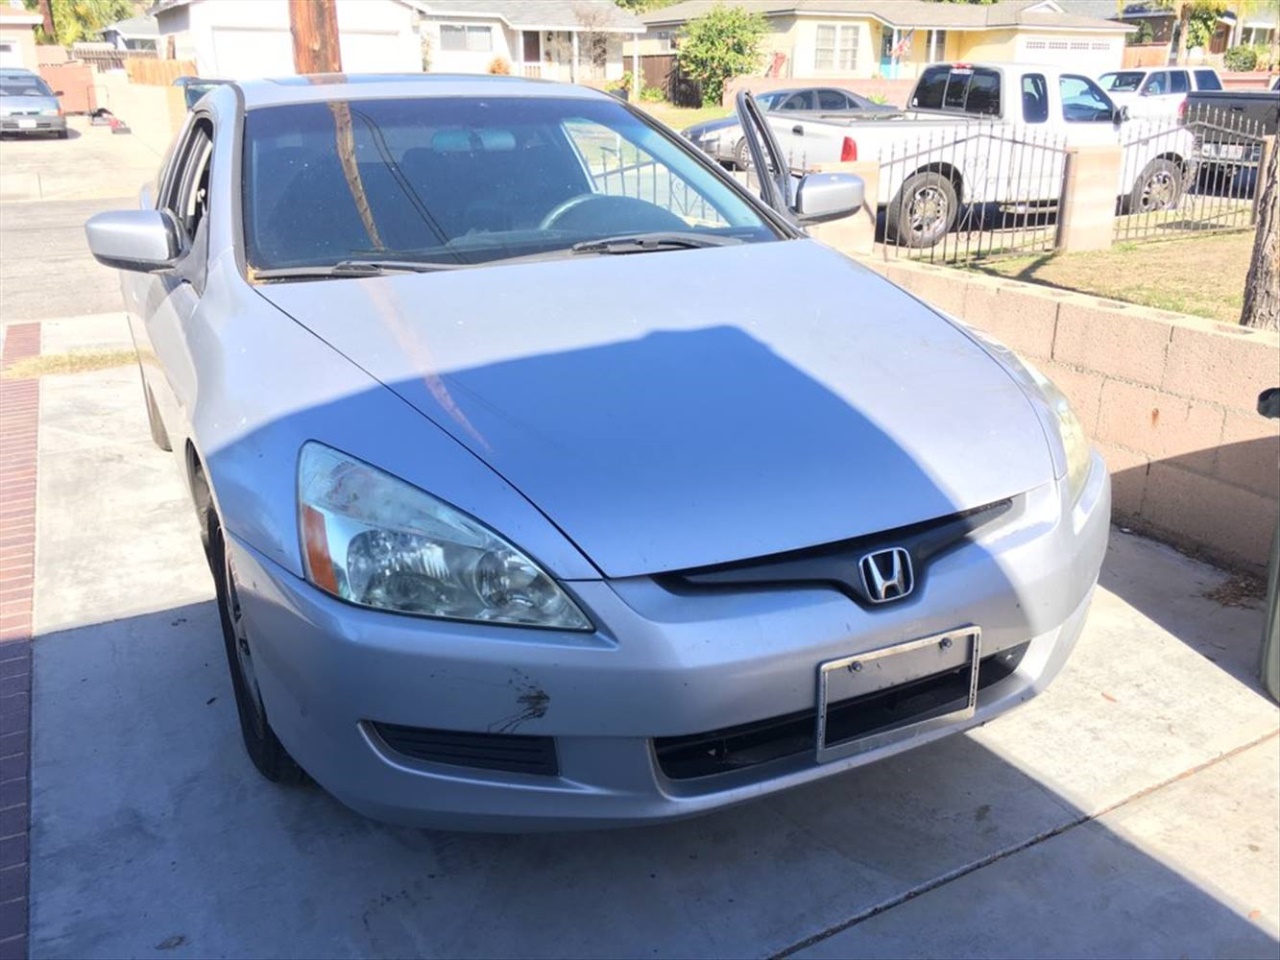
column 677, row 118
column 1203, row 276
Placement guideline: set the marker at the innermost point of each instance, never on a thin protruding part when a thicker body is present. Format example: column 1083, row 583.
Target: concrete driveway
column 1131, row 810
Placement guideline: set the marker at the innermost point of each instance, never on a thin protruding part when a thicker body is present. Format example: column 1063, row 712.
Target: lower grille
column 508, row 752
column 751, row 744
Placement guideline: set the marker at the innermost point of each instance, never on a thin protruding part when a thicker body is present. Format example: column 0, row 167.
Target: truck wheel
column 1159, row 187
column 923, row 211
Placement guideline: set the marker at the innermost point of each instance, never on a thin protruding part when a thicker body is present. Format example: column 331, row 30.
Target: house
column 552, row 39
column 238, row 40
column 18, row 38
column 897, row 39
column 136, row 33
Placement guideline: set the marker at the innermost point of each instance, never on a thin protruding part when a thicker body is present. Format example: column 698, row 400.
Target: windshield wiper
column 352, row 268
column 652, row 243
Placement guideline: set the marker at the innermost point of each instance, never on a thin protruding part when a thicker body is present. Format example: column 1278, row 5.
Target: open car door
column 810, row 198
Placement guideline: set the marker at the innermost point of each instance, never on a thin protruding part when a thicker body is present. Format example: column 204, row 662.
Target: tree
column 1197, row 19
column 640, row 6
column 77, row 20
column 723, row 43
column 1262, row 284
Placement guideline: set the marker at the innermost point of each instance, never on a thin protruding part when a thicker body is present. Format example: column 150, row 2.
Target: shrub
column 652, row 95
column 500, row 66
column 1240, row 58
column 723, row 43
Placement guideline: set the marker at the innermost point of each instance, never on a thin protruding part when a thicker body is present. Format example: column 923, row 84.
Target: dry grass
column 83, row 361
column 1202, row 276
column 677, row 118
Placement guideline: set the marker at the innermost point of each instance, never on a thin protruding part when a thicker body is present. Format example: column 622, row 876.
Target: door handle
column 798, row 129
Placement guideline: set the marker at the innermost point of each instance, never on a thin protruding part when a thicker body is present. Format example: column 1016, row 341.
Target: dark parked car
column 723, row 140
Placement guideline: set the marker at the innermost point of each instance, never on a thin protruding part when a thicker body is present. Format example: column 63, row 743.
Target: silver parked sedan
column 510, row 528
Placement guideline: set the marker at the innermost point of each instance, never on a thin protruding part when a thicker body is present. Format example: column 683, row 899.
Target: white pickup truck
column 992, row 134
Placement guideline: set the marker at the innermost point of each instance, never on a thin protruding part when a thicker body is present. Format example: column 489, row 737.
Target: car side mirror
column 140, row 240
column 1119, row 115
column 57, row 93
column 828, row 196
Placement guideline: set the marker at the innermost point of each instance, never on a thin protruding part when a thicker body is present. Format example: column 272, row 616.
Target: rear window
column 1126, row 81
column 973, row 91
column 930, row 88
column 468, row 180
column 1207, row 80
column 23, row 84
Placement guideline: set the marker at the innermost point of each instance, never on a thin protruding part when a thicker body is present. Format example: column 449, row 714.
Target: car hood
column 680, row 409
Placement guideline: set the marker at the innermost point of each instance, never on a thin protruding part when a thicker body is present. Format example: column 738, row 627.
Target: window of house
column 836, row 47
column 473, row 39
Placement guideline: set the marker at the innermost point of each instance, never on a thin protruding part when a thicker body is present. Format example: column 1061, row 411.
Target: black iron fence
column 1198, row 175
column 952, row 194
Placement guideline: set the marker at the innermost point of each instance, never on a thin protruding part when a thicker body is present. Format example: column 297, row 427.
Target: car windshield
column 465, row 180
column 16, row 85
column 1125, row 82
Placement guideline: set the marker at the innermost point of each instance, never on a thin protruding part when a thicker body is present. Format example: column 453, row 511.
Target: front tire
column 260, row 741
column 1159, row 187
column 923, row 212
column 742, row 155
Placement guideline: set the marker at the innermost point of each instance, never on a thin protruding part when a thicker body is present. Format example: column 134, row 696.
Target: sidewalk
column 1131, row 810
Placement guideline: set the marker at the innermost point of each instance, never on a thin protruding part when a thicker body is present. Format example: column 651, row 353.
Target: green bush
column 1240, row 59
column 652, row 95
column 723, row 43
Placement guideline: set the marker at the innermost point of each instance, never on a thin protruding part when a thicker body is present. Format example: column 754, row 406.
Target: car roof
column 324, row 87
column 17, row 72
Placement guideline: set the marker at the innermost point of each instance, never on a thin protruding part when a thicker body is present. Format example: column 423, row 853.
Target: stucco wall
column 1169, row 400
column 24, row 41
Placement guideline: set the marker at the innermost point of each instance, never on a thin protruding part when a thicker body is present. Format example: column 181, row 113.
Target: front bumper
column 662, row 665
column 33, row 126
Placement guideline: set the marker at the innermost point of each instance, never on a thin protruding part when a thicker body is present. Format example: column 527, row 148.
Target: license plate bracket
column 26, row 124
column 902, row 664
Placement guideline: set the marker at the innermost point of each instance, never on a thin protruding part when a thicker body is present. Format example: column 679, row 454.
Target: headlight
column 376, row 541
column 1075, row 445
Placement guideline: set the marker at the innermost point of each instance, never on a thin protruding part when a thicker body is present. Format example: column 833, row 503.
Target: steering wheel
column 601, row 213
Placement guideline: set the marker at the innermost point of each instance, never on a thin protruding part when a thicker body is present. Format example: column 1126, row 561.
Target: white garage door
column 241, row 54
column 244, row 54
column 1092, row 56
column 10, row 54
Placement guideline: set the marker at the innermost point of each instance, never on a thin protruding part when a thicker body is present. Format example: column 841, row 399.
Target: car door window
column 834, row 100
column 797, row 101
column 1180, row 82
column 1035, row 98
column 186, row 187
column 1207, row 80
column 1157, row 84
column 1083, row 101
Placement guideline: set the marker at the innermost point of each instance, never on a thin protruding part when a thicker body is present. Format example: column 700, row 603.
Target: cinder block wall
column 1170, row 400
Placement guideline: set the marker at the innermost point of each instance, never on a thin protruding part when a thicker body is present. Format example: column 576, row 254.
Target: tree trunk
column 1262, row 285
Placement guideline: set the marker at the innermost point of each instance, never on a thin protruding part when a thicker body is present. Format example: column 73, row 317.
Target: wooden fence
column 158, row 73
column 662, row 70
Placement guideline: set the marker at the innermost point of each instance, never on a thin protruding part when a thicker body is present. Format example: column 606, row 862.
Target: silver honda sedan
column 511, row 528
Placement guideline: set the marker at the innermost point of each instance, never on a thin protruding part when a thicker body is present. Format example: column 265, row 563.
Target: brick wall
column 1168, row 399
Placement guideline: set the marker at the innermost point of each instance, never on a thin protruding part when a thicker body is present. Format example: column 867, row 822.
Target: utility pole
column 314, row 25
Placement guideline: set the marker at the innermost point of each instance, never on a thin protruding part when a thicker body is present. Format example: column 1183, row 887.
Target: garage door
column 244, row 54
column 1091, row 56
column 241, row 54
